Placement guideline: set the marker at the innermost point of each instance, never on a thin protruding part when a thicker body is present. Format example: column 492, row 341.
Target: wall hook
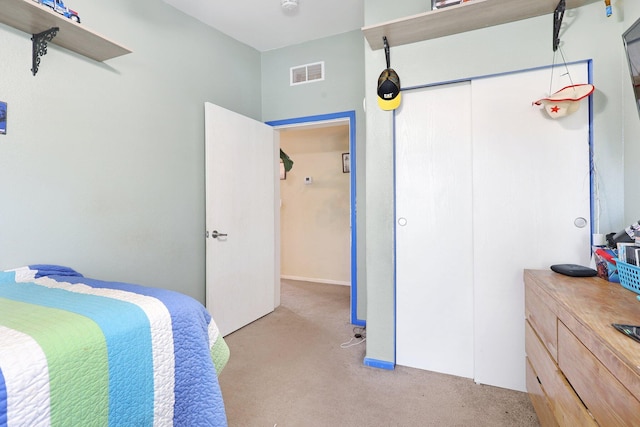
column 386, row 50
column 558, row 14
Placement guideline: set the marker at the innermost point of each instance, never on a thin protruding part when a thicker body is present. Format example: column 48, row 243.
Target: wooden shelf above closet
column 467, row 16
column 33, row 18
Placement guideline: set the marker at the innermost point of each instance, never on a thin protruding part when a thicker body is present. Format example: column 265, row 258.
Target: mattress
column 83, row 352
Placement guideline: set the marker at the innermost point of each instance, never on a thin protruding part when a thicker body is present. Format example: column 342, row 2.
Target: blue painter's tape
column 382, row 364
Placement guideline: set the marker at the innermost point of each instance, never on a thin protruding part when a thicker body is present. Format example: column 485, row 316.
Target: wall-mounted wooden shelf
column 33, row 18
column 467, row 16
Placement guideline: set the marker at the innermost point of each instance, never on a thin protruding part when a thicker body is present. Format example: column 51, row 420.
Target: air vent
column 307, row 73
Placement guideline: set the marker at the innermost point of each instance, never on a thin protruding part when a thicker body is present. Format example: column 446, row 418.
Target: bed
column 76, row 351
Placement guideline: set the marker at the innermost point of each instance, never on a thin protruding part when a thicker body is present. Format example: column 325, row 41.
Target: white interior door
column 434, row 254
column 242, row 186
column 531, row 186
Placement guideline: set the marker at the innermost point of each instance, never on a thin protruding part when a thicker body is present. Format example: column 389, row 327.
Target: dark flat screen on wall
column 631, row 39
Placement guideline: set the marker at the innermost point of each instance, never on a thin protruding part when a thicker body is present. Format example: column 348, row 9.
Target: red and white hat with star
column 566, row 100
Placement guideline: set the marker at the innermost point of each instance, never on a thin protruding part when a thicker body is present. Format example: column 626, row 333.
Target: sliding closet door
column 531, row 192
column 434, row 281
column 487, row 185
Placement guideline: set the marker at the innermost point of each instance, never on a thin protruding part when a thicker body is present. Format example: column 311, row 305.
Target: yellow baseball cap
column 389, row 95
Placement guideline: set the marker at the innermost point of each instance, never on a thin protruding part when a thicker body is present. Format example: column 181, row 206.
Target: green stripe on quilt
column 220, row 354
column 74, row 383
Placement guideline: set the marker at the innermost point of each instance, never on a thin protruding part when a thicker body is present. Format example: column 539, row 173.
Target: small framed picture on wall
column 3, row 118
column 346, row 163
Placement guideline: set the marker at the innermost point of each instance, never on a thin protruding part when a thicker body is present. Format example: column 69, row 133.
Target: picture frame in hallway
column 346, row 165
column 3, row 118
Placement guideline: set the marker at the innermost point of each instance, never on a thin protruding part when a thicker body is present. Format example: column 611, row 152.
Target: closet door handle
column 580, row 222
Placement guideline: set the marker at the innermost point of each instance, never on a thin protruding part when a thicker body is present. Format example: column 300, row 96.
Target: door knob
column 215, row 234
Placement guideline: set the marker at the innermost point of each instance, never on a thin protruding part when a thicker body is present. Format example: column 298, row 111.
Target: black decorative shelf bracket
column 39, row 46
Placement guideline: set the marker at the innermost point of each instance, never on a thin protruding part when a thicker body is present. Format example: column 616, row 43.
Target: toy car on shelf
column 59, row 6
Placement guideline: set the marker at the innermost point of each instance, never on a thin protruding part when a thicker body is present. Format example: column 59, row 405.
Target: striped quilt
column 81, row 352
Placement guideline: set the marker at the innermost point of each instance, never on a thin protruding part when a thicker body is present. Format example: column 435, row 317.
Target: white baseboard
column 308, row 279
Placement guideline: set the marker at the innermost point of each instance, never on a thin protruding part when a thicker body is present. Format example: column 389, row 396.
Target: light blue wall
column 102, row 168
column 586, row 34
column 342, row 90
column 631, row 131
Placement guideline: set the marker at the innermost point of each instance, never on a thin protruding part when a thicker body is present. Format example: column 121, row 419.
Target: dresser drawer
column 567, row 407
column 608, row 400
column 539, row 399
column 543, row 320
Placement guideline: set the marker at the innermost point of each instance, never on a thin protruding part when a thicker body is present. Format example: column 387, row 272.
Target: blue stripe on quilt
column 194, row 370
column 130, row 359
column 3, row 401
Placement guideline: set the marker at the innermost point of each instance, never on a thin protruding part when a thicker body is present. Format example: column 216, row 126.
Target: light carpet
column 289, row 369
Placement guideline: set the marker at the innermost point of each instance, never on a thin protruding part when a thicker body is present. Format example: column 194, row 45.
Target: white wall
column 102, row 168
column 315, row 230
column 587, row 34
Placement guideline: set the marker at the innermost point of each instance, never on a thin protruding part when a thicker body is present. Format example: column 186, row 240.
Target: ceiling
column 264, row 25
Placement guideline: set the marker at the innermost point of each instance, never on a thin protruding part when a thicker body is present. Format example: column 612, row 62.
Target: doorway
column 335, row 120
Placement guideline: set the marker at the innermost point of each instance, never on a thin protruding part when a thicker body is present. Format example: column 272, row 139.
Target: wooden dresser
column 580, row 370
